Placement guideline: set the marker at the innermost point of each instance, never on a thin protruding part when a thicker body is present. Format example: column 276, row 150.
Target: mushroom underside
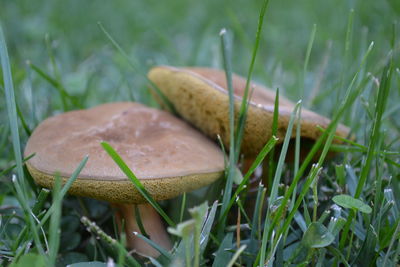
column 123, row 191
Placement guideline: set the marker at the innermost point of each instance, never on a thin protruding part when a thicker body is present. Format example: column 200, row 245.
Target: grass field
column 341, row 58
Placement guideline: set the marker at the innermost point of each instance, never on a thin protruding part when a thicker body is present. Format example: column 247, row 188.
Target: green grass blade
column 37, row 207
column 206, row 229
column 134, row 65
column 49, row 48
column 192, row 233
column 238, row 28
column 54, row 228
column 347, row 45
column 223, row 254
column 23, row 122
column 303, row 85
column 296, row 153
column 135, row 181
column 121, row 256
column 339, row 255
column 245, row 99
column 11, row 107
column 139, row 222
column 4, row 172
column 391, row 245
column 199, row 214
column 254, row 230
column 226, row 54
column 260, row 157
column 164, row 253
column 271, row 162
column 307, row 58
column 276, row 181
column 314, row 173
column 59, row 87
column 183, row 206
column 5, row 129
column 236, row 255
column 20, row 184
column 28, row 214
column 366, row 254
column 282, row 156
column 40, row 201
column 184, row 251
column 65, row 188
column 243, row 211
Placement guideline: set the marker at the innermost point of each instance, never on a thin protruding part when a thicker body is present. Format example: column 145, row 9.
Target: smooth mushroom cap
column 200, row 96
column 165, row 153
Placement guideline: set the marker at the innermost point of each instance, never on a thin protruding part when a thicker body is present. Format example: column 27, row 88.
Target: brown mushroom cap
column 165, row 153
column 200, row 96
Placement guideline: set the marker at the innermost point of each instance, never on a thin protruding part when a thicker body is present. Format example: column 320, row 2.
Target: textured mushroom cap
column 200, row 96
column 165, row 153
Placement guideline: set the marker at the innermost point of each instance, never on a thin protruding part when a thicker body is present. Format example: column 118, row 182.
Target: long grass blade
column 11, row 107
column 183, row 206
column 54, row 228
column 134, row 65
column 4, row 172
column 207, row 227
column 135, row 181
column 253, row 244
column 276, row 182
column 156, row 246
column 64, row 95
column 271, row 161
column 37, row 207
column 298, row 124
column 20, row 184
column 260, row 157
column 347, row 44
column 226, row 54
column 236, row 255
column 245, row 99
column 392, row 242
column 23, row 122
column 65, row 188
column 282, row 156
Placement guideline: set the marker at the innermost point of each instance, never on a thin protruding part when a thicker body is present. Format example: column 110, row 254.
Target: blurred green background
column 186, row 33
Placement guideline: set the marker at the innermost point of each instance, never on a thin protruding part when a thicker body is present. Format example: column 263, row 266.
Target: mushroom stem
column 125, row 215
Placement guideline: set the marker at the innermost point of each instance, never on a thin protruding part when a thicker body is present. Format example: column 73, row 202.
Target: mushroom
column 200, row 96
column 167, row 155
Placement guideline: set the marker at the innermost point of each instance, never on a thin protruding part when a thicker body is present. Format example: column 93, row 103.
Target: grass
column 339, row 58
